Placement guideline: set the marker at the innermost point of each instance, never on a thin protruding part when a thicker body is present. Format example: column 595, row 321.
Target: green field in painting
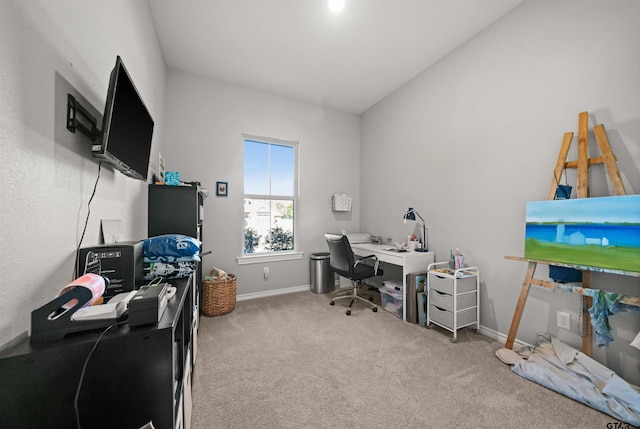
column 612, row 257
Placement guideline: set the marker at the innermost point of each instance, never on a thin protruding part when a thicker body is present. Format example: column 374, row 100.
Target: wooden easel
column 582, row 164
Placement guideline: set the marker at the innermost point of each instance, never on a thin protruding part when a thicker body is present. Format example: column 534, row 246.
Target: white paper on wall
column 341, row 203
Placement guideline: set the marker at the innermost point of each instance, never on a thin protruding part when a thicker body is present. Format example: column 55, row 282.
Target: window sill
column 259, row 259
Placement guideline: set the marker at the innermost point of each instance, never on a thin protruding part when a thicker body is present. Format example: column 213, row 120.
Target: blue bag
column 174, row 245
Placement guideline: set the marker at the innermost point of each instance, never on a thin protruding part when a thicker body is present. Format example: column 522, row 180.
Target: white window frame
column 285, row 255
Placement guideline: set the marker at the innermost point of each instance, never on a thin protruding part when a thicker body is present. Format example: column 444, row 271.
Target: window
column 270, row 196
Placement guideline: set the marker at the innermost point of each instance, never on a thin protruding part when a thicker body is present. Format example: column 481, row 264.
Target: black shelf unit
column 175, row 210
column 178, row 210
column 135, row 375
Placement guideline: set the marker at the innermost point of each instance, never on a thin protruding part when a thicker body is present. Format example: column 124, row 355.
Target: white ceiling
column 298, row 48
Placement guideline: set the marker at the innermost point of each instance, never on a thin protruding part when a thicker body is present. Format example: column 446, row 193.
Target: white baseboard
column 254, row 295
column 499, row 336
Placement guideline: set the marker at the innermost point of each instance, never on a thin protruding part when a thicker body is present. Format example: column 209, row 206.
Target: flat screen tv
column 127, row 127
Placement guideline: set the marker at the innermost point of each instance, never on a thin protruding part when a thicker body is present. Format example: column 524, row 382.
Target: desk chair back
column 341, row 259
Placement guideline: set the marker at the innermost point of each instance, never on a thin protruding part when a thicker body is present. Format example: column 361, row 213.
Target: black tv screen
column 127, row 127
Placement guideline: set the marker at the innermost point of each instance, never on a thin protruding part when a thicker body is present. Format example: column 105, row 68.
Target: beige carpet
column 294, row 361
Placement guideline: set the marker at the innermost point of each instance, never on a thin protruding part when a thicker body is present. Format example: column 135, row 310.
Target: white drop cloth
column 570, row 372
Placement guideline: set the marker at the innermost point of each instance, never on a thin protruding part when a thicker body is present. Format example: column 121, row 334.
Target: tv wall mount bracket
column 75, row 111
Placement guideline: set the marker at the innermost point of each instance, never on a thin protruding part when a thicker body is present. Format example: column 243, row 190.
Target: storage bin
column 445, row 301
column 219, row 295
column 445, row 284
column 445, row 318
column 393, row 284
column 391, row 299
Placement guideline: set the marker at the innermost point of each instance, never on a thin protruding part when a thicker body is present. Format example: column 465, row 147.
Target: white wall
column 205, row 122
column 47, row 49
column 480, row 133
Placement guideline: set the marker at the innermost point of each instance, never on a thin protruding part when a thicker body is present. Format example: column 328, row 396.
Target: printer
column 122, row 263
column 148, row 304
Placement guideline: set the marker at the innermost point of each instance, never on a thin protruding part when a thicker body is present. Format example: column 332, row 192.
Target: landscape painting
column 602, row 232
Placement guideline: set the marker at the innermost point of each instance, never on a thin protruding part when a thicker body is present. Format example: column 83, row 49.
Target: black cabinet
column 130, row 376
column 178, row 210
column 175, row 210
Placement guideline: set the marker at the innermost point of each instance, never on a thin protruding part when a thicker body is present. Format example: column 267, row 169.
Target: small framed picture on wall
column 221, row 189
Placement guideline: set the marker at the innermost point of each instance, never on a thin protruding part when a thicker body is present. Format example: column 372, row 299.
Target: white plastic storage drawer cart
column 453, row 297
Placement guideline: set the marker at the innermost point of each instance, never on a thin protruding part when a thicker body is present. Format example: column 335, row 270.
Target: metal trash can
column 322, row 278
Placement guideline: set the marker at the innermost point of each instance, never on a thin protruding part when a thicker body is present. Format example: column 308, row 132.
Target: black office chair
column 346, row 264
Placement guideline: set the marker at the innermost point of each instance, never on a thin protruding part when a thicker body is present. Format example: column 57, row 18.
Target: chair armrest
column 364, row 258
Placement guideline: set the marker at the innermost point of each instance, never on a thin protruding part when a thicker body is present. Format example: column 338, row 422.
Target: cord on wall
column 84, row 230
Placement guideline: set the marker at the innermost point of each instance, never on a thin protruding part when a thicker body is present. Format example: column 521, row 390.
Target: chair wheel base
column 375, row 309
column 332, row 303
column 349, row 312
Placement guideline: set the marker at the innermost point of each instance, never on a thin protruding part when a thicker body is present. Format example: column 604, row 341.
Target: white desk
column 411, row 262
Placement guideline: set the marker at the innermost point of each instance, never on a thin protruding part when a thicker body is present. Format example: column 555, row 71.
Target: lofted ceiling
column 300, row 49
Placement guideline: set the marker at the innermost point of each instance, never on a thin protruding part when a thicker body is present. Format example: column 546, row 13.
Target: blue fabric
column 175, row 245
column 605, row 304
column 564, row 274
column 172, row 178
column 563, row 192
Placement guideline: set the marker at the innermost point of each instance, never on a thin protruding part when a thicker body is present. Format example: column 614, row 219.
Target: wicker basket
column 219, row 295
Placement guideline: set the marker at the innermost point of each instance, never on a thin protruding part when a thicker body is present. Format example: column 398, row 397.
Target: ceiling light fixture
column 336, row 6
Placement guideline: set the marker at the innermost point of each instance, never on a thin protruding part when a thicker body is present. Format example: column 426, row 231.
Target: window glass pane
column 269, row 188
column 256, row 168
column 282, row 171
column 268, row 225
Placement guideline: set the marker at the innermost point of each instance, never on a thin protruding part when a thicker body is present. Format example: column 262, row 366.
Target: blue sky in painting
column 624, row 208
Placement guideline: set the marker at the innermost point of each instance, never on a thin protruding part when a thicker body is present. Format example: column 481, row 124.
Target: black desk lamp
column 411, row 215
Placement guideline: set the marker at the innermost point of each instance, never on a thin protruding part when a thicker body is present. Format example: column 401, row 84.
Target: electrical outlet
column 564, row 320
column 266, row 273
